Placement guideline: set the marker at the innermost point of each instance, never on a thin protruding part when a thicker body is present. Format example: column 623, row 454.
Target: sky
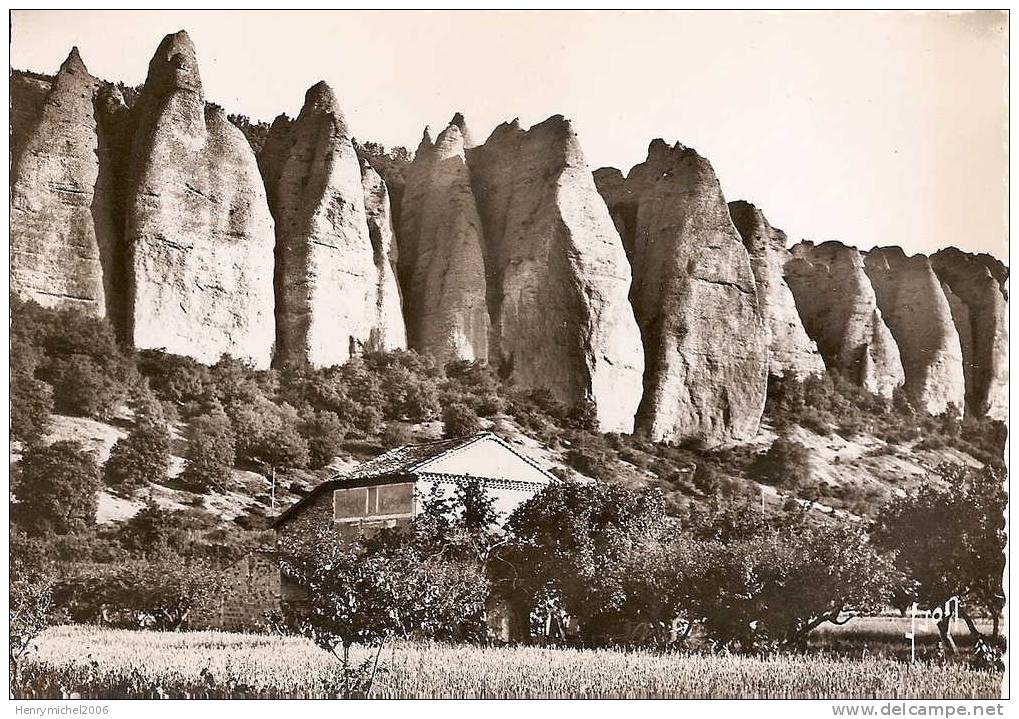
column 865, row 127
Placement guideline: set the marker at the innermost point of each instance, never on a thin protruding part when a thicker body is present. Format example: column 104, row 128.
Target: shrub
column 785, row 464
column 142, row 456
column 234, row 381
column 31, row 400
column 324, row 433
column 397, row 434
column 590, row 461
column 267, row 434
column 584, row 415
column 57, row 491
column 179, row 380
column 211, row 449
column 83, row 388
column 459, row 420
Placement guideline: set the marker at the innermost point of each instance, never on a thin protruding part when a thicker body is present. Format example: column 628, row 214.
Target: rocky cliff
column 790, row 350
column 328, row 285
column 388, row 331
column 442, row 267
column 643, row 294
column 28, row 92
column 199, row 233
column 696, row 299
column 56, row 250
column 919, row 316
column 980, row 309
column 837, row 304
column 557, row 275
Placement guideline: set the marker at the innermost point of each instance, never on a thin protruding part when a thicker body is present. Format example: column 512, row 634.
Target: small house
column 388, row 490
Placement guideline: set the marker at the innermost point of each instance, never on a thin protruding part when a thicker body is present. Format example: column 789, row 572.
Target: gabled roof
column 406, row 458
column 407, row 462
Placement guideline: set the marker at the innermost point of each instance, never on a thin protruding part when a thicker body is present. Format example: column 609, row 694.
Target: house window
column 372, row 504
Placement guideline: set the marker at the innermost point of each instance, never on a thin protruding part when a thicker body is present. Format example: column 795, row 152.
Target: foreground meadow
column 87, row 662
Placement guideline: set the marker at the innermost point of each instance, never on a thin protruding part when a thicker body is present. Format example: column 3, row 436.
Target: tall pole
column 272, row 507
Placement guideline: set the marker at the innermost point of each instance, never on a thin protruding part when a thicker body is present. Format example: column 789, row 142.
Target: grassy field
column 88, row 662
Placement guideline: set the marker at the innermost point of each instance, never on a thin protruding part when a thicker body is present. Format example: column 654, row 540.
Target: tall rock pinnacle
column 980, row 309
column 694, row 294
column 839, row 310
column 441, row 263
column 557, row 275
column 917, row 312
column 790, row 350
column 56, row 253
column 327, row 281
column 199, row 232
column 388, row 331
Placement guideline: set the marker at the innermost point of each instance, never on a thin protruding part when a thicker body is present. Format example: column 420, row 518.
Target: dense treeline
column 594, row 564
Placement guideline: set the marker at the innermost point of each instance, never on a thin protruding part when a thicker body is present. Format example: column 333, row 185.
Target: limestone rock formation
column 557, row 275
column 388, row 331
column 56, row 254
column 790, row 350
column 694, row 293
column 918, row 313
column 28, row 93
column 327, row 303
column 441, row 263
column 109, row 206
column 980, row 309
column 199, row 231
column 839, row 310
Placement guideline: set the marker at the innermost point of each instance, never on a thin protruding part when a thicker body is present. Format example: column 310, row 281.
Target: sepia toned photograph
column 497, row 354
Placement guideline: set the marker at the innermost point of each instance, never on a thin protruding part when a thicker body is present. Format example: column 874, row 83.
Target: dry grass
column 100, row 663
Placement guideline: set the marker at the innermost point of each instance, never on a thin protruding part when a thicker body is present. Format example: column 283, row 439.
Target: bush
column 31, row 400
column 83, row 388
column 179, row 380
column 211, row 449
column 590, row 461
column 142, row 456
column 75, row 353
column 57, row 491
column 459, row 420
column 785, row 464
column 397, row 434
column 324, row 433
column 267, row 434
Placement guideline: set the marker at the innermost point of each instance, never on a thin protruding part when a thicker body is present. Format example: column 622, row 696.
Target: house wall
column 487, row 457
column 506, row 495
column 252, row 588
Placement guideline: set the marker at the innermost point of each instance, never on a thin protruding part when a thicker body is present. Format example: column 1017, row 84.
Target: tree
column 464, row 524
column 31, row 400
column 950, row 543
column 57, row 491
column 179, row 380
column 80, row 357
column 427, row 582
column 776, row 586
column 267, row 433
column 564, row 544
column 83, row 387
column 211, row 452
column 143, row 455
column 31, row 611
column 164, row 594
column 459, row 420
column 324, row 433
column 153, row 531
